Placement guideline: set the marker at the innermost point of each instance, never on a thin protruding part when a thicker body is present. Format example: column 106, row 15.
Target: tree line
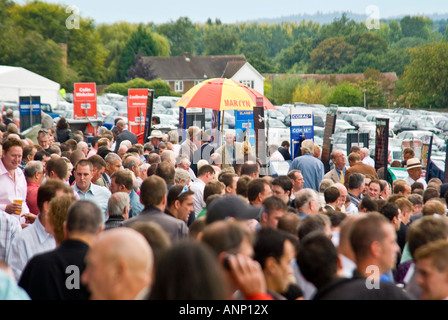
column 35, row 36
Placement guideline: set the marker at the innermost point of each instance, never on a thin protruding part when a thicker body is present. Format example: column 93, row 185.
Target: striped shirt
column 9, row 227
column 31, row 241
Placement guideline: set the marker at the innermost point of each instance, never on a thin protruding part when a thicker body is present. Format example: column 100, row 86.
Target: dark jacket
column 46, row 275
column 356, row 289
column 125, row 135
column 113, row 222
column 175, row 228
column 63, row 135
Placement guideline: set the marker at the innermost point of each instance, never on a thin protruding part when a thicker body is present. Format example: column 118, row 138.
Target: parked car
column 103, row 110
column 355, row 120
column 277, row 131
column 167, row 101
column 109, row 120
column 413, row 123
column 418, row 134
column 343, row 126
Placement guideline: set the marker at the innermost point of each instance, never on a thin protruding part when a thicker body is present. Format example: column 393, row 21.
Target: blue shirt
column 136, row 206
column 96, row 194
column 9, row 290
column 312, row 170
column 31, row 241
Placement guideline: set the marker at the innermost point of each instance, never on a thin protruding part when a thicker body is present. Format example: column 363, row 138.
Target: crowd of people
column 105, row 217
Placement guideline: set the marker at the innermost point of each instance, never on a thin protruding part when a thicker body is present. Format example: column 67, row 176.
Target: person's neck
column 83, row 237
column 355, row 192
column 173, row 211
column 84, row 190
column 365, row 267
column 9, row 169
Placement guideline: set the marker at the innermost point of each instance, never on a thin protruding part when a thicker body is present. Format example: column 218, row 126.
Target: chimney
column 187, row 56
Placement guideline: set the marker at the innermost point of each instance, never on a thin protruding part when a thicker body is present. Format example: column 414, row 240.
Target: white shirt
column 26, row 244
column 198, row 188
column 348, row 266
column 369, row 161
column 410, row 181
column 277, row 156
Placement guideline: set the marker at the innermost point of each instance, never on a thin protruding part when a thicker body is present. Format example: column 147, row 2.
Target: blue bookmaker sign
column 244, row 124
column 302, row 126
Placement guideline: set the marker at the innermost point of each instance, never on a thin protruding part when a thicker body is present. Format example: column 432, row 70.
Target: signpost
column 30, row 111
column 382, row 144
column 85, row 104
column 330, row 124
column 244, row 126
column 137, row 102
column 302, row 127
column 148, row 120
column 260, row 135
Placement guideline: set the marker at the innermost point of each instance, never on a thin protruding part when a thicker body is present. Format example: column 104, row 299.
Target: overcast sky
column 229, row 11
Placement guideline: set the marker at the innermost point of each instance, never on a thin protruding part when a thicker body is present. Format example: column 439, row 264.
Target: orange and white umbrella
column 222, row 94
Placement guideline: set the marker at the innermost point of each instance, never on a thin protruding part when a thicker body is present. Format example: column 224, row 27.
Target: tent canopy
column 17, row 81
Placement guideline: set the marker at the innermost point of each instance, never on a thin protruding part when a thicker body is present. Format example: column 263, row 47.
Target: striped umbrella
column 222, row 94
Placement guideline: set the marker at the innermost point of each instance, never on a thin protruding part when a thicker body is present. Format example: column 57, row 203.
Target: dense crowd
column 105, row 217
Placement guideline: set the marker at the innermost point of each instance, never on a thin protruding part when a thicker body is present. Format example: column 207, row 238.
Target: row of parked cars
column 404, row 125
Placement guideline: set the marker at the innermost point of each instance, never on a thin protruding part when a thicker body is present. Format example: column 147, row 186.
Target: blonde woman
column 57, row 213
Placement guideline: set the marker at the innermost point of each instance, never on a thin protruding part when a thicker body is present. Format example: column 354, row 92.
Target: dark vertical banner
column 445, row 178
column 29, row 111
column 330, row 124
column 215, row 121
column 148, row 121
column 382, row 144
column 260, row 134
column 426, row 156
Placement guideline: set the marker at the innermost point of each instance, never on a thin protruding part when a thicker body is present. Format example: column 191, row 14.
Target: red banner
column 137, row 103
column 84, row 101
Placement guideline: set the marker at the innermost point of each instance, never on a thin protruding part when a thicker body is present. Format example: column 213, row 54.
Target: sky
column 231, row 11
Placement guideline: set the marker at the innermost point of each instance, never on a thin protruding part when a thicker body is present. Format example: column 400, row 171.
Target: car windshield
column 275, row 123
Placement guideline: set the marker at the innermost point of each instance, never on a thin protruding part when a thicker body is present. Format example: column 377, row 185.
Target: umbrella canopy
column 222, row 94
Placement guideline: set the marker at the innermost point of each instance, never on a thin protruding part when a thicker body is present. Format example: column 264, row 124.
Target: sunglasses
column 184, row 189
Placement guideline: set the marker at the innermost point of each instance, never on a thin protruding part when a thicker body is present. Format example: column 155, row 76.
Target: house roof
column 195, row 68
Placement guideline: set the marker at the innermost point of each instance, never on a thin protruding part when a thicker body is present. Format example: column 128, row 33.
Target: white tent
column 16, row 82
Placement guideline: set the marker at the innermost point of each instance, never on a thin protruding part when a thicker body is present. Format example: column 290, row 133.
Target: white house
column 184, row 72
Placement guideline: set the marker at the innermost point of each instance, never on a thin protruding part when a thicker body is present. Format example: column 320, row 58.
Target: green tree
column 427, row 74
column 346, row 94
column 416, row 26
column 220, row 43
column 363, row 62
column 312, row 92
column 280, row 89
column 85, row 53
column 395, row 60
column 255, row 53
column 330, row 56
column 368, row 42
column 181, row 35
column 374, row 93
column 141, row 42
column 299, row 52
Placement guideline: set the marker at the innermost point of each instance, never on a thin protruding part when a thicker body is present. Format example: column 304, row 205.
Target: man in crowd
column 153, row 196
column 123, row 181
column 87, row 190
column 338, row 173
column 52, row 275
column 311, row 168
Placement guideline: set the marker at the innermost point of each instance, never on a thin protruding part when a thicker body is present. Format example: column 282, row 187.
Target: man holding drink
column 13, row 185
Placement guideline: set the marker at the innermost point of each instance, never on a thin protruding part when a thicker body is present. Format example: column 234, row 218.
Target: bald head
column 119, row 265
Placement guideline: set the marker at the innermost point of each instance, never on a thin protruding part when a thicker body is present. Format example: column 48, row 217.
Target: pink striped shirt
column 9, row 190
